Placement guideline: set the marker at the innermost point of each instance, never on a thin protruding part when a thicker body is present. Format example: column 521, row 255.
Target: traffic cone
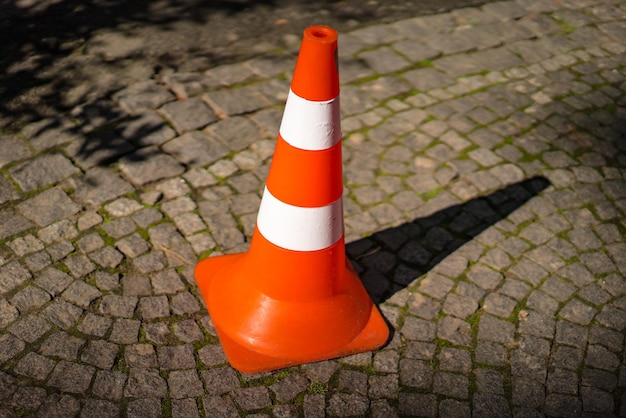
column 294, row 298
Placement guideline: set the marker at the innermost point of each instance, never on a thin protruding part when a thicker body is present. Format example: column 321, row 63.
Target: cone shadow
column 391, row 259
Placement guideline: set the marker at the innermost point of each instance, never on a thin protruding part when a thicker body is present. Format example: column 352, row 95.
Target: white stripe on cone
column 311, row 125
column 297, row 228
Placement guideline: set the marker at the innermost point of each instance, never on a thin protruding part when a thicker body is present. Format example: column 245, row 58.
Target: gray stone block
column 41, row 171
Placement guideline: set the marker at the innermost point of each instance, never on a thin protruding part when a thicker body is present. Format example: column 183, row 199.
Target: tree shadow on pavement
column 57, row 54
column 390, row 260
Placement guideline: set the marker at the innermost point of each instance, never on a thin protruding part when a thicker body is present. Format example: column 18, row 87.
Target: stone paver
column 485, row 211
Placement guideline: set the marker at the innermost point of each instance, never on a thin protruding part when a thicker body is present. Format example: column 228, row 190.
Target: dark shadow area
column 51, row 47
column 390, row 260
column 596, row 135
column 57, row 54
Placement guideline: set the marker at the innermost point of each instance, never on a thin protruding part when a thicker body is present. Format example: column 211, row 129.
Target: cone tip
column 316, row 77
column 320, row 34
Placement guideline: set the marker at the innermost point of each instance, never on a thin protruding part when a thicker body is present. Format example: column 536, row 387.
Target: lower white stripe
column 311, row 125
column 297, row 228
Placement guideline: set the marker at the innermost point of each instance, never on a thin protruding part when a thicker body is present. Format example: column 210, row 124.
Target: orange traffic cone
column 294, row 298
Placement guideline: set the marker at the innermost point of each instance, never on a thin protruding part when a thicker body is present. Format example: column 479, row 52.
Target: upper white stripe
column 297, row 228
column 311, row 125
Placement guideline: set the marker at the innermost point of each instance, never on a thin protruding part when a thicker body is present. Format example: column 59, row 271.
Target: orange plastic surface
column 247, row 360
column 316, row 76
column 305, row 178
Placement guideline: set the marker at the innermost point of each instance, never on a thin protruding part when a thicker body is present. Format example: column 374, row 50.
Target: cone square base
column 245, row 358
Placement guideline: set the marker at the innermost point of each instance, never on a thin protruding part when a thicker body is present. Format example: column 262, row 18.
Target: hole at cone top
column 319, row 34
column 322, row 34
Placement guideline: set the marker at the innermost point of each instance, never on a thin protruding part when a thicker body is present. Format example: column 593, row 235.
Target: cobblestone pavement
column 485, row 210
